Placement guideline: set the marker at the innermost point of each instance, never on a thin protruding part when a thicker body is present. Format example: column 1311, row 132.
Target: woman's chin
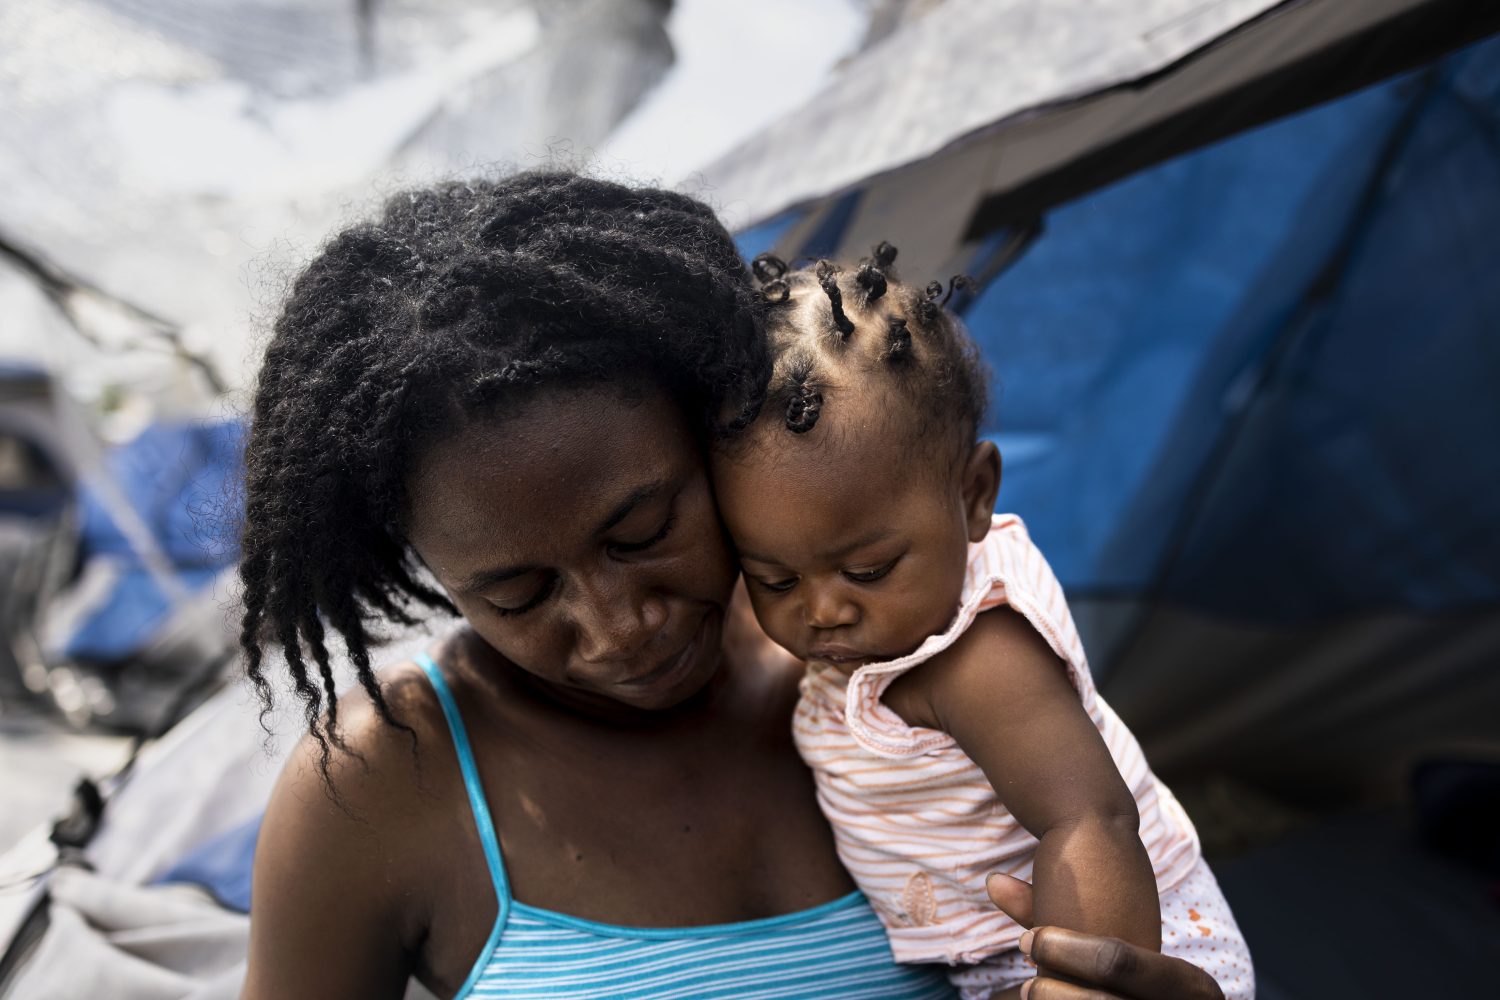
column 681, row 677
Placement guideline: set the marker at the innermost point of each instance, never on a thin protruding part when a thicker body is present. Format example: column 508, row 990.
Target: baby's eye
column 871, row 575
column 776, row 586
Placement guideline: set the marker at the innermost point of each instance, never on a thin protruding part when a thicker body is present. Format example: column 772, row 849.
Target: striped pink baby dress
column 915, row 820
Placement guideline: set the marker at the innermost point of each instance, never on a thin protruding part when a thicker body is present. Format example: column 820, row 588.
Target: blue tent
column 1244, row 399
column 1245, row 366
column 1231, row 359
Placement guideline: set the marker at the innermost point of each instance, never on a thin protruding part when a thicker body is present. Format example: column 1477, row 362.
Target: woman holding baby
column 498, row 398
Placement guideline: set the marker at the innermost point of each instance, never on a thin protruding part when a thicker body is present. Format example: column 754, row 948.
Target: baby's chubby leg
column 1197, row 926
column 989, row 978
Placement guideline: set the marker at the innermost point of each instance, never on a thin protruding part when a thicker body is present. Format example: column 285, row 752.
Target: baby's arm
column 1004, row 695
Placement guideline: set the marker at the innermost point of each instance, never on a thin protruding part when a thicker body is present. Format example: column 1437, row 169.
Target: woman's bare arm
column 323, row 921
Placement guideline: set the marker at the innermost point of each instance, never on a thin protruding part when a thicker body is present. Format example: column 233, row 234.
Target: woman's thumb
column 1011, row 895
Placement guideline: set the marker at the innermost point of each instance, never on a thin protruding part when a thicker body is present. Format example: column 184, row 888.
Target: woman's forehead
column 556, row 468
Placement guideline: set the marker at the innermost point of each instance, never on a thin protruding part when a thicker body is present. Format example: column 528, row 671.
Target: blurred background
column 1234, row 265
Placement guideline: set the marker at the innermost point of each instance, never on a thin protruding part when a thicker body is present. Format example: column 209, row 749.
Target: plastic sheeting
column 181, row 479
column 1245, row 403
column 1253, row 379
column 1257, row 379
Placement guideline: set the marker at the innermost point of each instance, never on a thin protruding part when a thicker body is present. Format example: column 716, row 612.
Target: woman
column 588, row 789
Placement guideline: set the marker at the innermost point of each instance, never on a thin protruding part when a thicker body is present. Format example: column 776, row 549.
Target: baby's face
column 851, row 554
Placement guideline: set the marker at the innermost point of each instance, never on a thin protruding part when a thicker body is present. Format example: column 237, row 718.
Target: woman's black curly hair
column 459, row 301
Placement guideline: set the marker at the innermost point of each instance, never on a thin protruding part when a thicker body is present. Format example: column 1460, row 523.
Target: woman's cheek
column 526, row 640
column 704, row 555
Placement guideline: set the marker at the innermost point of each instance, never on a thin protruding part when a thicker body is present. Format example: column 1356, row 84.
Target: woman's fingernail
column 1026, row 943
column 1026, row 988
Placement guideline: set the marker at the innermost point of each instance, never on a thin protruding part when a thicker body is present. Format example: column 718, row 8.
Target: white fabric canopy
column 960, row 68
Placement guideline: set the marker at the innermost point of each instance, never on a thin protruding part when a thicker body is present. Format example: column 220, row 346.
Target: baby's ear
column 981, row 485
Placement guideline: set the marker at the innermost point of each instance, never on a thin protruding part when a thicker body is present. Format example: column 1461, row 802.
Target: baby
column 947, row 712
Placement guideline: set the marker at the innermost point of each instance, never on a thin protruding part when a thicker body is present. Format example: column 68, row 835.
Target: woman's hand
column 1113, row 969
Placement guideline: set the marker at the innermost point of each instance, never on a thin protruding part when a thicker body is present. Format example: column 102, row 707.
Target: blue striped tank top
column 838, row 949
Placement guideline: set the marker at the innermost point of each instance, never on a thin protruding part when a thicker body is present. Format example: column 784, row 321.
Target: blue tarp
column 180, row 478
column 1259, row 379
column 223, row 865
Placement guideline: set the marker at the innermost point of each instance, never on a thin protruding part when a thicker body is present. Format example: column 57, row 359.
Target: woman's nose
column 828, row 607
column 615, row 618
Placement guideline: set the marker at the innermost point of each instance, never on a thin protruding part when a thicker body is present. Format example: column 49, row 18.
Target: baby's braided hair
column 828, row 278
column 905, row 333
column 459, row 302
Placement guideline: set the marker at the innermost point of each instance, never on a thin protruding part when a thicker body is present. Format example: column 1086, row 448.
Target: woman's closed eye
column 646, row 543
column 870, row 575
column 505, row 607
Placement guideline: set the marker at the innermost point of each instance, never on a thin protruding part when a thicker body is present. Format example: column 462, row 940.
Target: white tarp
column 961, row 67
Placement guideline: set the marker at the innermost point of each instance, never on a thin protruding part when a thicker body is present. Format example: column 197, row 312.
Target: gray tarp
column 108, row 938
column 980, row 100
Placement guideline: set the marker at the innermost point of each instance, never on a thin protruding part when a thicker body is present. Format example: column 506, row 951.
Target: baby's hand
column 1108, row 967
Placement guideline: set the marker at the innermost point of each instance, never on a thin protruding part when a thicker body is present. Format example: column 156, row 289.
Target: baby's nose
column 827, row 608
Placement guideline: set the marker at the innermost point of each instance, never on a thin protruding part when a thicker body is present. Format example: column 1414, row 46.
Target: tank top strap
column 477, row 802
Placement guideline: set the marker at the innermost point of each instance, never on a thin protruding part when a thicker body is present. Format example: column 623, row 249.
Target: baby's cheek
column 921, row 611
column 775, row 622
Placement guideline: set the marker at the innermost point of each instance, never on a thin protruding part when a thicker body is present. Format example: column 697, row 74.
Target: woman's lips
column 676, row 667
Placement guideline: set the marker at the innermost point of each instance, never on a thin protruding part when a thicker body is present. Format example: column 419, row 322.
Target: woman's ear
column 981, row 485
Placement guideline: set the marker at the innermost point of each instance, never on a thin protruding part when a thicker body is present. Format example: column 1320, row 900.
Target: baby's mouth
column 839, row 656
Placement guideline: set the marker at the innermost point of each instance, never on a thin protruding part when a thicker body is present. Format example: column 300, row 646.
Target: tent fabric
column 1192, row 301
column 1439, row 929
column 29, row 412
column 108, row 938
column 934, row 81
column 179, row 478
column 178, row 475
column 1327, row 715
column 221, row 866
column 127, row 610
column 37, row 537
column 182, row 820
column 1181, row 325
column 34, row 469
column 1037, row 156
column 1296, row 56
column 1239, row 402
column 132, row 943
column 1244, row 402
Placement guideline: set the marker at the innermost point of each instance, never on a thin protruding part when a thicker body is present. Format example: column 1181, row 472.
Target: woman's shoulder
column 367, row 836
column 361, row 763
column 358, row 783
column 340, row 858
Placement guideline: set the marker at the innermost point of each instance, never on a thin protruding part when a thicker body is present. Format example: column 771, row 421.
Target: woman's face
column 580, row 539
